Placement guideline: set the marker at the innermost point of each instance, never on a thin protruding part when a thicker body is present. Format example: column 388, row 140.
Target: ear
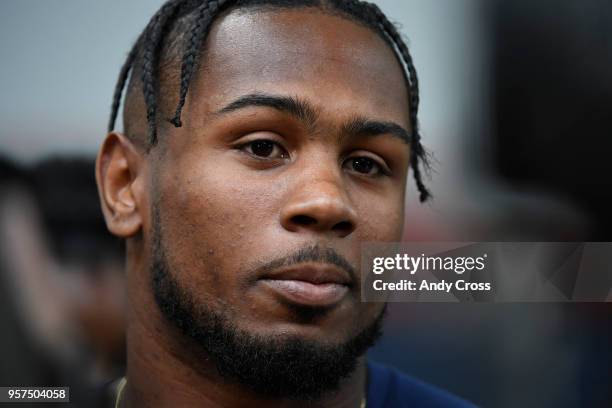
column 119, row 175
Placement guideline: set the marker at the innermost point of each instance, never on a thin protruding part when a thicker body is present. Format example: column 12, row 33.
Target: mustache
column 315, row 254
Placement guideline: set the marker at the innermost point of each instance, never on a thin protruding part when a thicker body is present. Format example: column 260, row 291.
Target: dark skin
column 227, row 203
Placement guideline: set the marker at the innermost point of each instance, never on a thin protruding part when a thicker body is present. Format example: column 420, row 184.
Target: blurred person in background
column 61, row 278
column 90, row 258
column 24, row 347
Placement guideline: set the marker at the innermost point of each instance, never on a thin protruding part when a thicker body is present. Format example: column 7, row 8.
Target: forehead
column 336, row 64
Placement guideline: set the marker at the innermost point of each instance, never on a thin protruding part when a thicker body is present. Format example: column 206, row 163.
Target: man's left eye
column 265, row 149
column 365, row 166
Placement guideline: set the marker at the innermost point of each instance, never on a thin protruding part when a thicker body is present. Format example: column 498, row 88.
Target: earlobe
column 119, row 175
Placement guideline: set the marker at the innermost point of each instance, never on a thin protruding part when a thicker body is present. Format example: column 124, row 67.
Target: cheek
column 210, row 216
column 381, row 218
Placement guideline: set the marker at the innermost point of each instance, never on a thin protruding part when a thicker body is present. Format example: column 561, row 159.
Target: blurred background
column 516, row 97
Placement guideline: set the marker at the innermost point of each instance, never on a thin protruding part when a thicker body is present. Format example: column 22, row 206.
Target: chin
column 329, row 325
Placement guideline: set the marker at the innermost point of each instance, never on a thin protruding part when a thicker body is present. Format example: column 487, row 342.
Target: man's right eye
column 265, row 149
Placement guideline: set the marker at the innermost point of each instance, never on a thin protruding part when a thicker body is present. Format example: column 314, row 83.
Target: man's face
column 291, row 141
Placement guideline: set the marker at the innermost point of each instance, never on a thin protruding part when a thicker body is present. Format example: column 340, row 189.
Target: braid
column 129, row 64
column 150, row 53
column 123, row 76
column 419, row 154
column 206, row 12
column 418, row 150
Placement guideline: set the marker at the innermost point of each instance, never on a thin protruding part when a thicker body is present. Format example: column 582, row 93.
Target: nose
column 320, row 207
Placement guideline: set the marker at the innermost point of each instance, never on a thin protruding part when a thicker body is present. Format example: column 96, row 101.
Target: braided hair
column 197, row 17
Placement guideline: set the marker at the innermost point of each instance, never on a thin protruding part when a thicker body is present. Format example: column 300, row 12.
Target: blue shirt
column 389, row 388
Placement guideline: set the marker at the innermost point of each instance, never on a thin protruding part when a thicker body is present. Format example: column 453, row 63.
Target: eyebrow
column 305, row 112
column 301, row 109
column 360, row 126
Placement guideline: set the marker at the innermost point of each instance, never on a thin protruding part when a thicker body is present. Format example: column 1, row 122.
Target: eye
column 365, row 166
column 265, row 149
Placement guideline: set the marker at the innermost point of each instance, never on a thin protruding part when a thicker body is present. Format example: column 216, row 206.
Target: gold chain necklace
column 123, row 382
column 120, row 389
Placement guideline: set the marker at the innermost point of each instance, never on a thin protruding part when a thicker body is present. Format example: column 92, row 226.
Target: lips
column 316, row 285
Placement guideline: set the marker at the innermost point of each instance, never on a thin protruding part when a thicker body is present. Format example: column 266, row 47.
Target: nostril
column 344, row 227
column 303, row 220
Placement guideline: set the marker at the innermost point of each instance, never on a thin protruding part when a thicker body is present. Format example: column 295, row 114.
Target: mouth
column 314, row 285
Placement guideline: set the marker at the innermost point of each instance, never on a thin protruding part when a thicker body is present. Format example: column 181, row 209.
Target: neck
column 163, row 370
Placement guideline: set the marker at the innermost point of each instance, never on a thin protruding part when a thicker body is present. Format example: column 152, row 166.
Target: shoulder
column 389, row 388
